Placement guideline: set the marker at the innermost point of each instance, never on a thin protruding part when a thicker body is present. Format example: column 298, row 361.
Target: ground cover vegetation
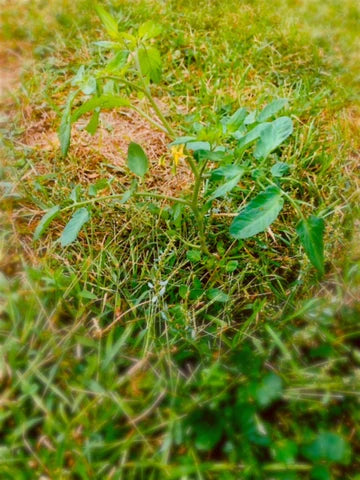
column 180, row 258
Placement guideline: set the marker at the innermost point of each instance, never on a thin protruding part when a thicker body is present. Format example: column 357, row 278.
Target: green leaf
column 226, row 187
column 137, row 160
column 118, row 61
column 150, row 63
column 327, row 446
column 280, row 169
column 269, row 390
column 271, row 109
column 45, row 221
column 73, row 227
column 108, row 21
column 103, row 102
column 227, row 171
column 258, row 215
column 231, row 266
column 216, row 295
column 128, row 194
column 181, row 141
column 193, row 255
column 93, row 124
column 194, row 146
column 98, row 186
column 236, row 120
column 253, row 135
column 64, row 131
column 149, row 29
column 272, row 136
column 311, row 233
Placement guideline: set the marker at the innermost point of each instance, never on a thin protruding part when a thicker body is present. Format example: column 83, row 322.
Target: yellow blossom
column 177, row 153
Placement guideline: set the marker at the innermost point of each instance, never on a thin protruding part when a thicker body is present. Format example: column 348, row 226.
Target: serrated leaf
column 226, row 187
column 150, row 63
column 137, row 160
column 103, row 102
column 73, row 227
column 271, row 109
column 311, row 233
column 108, row 21
column 45, row 221
column 258, row 215
column 272, row 136
column 149, row 29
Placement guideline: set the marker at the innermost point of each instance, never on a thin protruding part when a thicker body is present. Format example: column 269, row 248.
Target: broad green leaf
column 193, row 255
column 231, row 266
column 271, row 109
column 103, row 102
column 108, row 21
column 268, row 390
column 93, row 124
column 272, row 136
column 227, row 171
column 88, row 85
column 73, row 227
column 226, row 187
column 150, row 63
column 64, row 131
column 198, row 146
column 251, row 118
column 311, row 233
column 149, row 29
column 258, row 215
column 329, row 447
column 182, row 140
column 236, row 120
column 45, row 221
column 280, row 169
column 216, row 295
column 137, row 160
column 118, row 61
column 254, row 134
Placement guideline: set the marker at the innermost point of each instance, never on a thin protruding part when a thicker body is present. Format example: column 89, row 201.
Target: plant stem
column 147, row 92
column 120, row 195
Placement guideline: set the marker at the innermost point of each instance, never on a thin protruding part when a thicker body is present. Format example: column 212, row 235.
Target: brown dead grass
column 108, row 146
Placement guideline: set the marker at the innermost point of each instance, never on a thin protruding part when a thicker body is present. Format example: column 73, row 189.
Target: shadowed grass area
column 124, row 356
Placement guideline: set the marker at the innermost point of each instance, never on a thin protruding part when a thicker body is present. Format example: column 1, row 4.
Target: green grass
column 115, row 360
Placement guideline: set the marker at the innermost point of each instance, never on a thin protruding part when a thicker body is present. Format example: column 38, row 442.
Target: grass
column 117, row 358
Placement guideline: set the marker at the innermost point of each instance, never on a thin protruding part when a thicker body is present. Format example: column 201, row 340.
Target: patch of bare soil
column 109, row 146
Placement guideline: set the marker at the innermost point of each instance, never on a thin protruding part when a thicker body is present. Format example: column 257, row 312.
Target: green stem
column 147, row 92
column 120, row 195
column 149, row 119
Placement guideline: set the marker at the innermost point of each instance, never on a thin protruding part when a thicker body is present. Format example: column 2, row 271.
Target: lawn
column 152, row 343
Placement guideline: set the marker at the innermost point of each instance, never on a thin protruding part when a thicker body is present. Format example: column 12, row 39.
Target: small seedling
column 236, row 148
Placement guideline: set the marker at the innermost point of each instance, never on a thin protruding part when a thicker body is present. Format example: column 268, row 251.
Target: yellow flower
column 177, row 153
